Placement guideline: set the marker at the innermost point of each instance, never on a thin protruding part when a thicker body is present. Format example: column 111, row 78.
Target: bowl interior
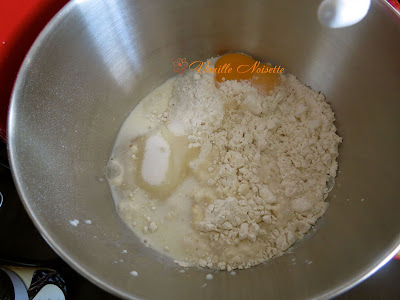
column 97, row 59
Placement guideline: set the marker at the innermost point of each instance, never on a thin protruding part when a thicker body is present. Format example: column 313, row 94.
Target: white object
column 342, row 13
column 134, row 273
column 155, row 161
column 50, row 291
column 209, row 277
column 74, row 222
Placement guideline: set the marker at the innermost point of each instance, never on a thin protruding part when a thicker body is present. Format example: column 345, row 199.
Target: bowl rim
column 12, row 156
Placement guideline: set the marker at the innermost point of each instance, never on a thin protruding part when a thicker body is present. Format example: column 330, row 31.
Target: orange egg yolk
column 265, row 82
column 240, row 67
column 232, row 61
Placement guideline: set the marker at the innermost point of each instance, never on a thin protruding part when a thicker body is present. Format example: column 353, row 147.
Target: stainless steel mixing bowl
column 97, row 59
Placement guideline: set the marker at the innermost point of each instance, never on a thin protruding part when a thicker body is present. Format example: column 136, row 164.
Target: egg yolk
column 234, row 60
column 265, row 82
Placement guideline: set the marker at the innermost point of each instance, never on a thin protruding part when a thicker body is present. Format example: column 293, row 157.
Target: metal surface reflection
column 97, row 59
column 114, row 38
column 342, row 13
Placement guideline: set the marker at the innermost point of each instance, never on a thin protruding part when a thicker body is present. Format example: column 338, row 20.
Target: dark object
column 6, row 287
column 41, row 278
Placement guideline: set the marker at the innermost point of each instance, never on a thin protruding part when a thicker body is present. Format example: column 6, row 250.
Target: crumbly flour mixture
column 224, row 176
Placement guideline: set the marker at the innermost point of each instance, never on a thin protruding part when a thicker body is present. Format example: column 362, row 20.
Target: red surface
column 20, row 23
column 395, row 4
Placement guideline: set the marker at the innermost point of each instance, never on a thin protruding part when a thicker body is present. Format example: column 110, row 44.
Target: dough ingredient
column 242, row 168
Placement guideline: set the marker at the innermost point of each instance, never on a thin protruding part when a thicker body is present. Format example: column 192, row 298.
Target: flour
column 194, row 106
column 259, row 170
column 273, row 157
